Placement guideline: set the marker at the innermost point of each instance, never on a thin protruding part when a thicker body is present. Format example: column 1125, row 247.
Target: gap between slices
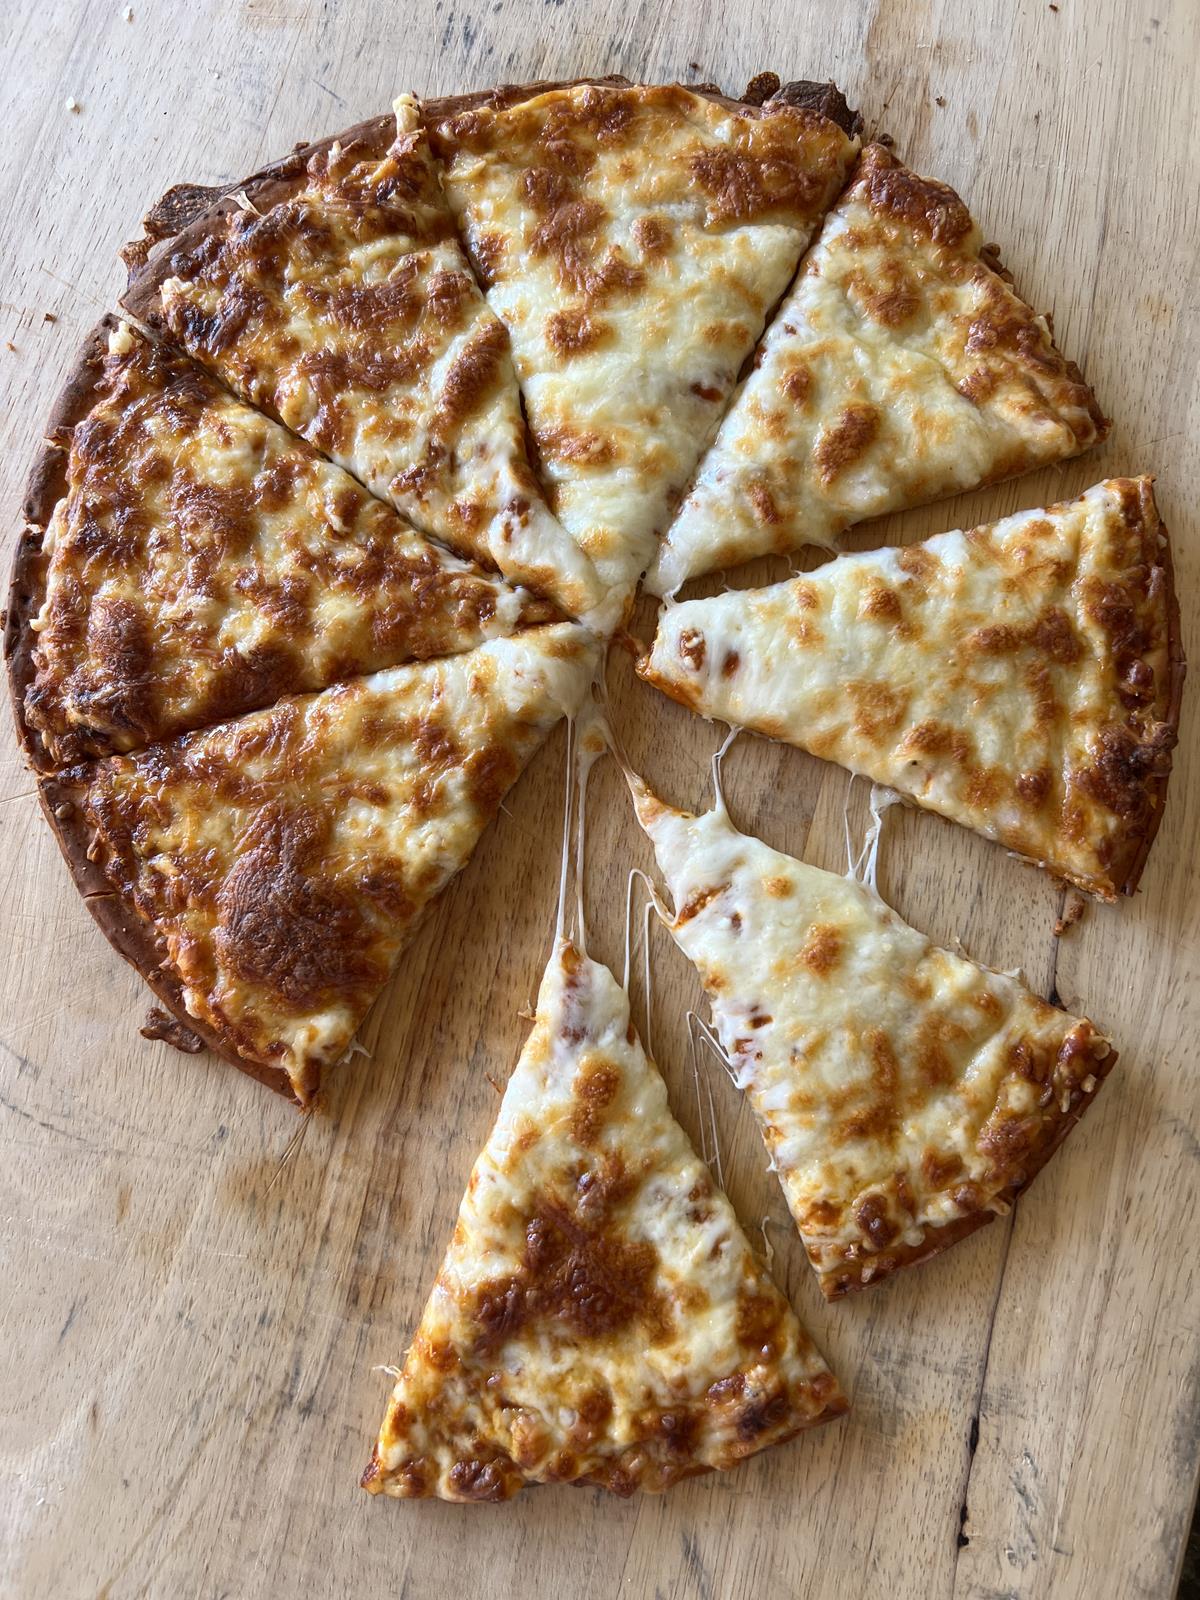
column 906, row 1095
column 900, row 368
column 332, row 293
column 197, row 561
column 633, row 239
column 265, row 875
column 599, row 1316
column 1022, row 678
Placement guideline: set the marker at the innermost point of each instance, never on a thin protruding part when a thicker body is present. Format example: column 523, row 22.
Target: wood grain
column 195, row 1305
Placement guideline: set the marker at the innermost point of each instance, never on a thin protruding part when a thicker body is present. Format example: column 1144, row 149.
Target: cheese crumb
column 72, row 104
column 128, row 13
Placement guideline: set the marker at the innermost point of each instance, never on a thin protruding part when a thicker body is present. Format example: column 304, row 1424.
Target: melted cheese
column 905, row 1094
column 1015, row 678
column 633, row 241
column 599, row 1316
column 284, row 859
column 348, row 311
column 900, row 368
column 203, row 561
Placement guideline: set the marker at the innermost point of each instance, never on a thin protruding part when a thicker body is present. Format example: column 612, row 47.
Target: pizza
column 633, row 240
column 901, row 367
column 1021, row 678
column 331, row 292
column 907, row 1095
column 189, row 560
column 265, row 874
column 599, row 1316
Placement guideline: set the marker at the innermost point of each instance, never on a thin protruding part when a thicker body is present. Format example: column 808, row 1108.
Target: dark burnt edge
column 129, row 933
column 763, row 91
column 1131, row 871
column 44, row 487
column 836, row 1284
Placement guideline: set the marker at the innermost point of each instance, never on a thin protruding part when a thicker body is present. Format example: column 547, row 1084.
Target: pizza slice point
column 900, row 368
column 1021, row 678
column 331, row 292
column 264, row 875
column 599, row 1316
column 633, row 239
column 187, row 560
column 906, row 1095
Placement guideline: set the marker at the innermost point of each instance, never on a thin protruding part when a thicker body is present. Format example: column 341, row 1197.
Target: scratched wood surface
column 191, row 1337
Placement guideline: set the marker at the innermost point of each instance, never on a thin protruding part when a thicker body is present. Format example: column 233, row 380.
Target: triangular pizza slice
column 1021, row 678
column 331, row 292
column 900, row 368
column 907, row 1095
column 634, row 238
column 265, row 874
column 599, row 1316
column 187, row 560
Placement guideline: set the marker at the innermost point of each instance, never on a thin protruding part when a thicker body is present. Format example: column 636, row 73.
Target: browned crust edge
column 131, row 936
column 847, row 1278
column 1128, row 873
column 188, row 214
column 44, row 487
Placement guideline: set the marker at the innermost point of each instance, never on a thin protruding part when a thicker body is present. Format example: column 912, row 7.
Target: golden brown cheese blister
column 339, row 301
column 1021, row 678
column 901, row 367
column 202, row 562
column 278, row 864
column 633, row 240
column 599, row 1316
column 906, row 1094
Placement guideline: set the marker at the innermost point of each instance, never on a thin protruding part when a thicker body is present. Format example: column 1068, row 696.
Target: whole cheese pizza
column 332, row 293
column 264, row 874
column 599, row 1316
column 201, row 561
column 901, row 367
column 907, row 1095
column 633, row 240
column 1021, row 678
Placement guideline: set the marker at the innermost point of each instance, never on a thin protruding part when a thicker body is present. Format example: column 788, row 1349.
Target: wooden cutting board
column 196, row 1302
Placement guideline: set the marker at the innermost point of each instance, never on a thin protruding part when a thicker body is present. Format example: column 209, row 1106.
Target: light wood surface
column 193, row 1324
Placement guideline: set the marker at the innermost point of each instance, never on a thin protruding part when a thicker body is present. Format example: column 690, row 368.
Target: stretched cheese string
column 725, row 746
column 864, row 867
column 710, row 1145
column 568, row 803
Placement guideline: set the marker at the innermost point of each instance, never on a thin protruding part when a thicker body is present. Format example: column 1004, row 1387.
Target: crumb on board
column 1073, row 910
column 940, row 100
column 9, row 345
column 128, row 13
column 72, row 104
column 48, row 316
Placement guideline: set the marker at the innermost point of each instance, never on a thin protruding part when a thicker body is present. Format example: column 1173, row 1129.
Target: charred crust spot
column 763, row 504
column 1034, row 787
column 473, row 377
column 596, row 1087
column 797, row 384
column 879, row 709
column 574, row 331
column 871, row 1214
column 880, row 603
column 490, row 774
column 888, row 296
column 730, row 664
column 841, row 444
column 565, row 443
column 759, row 1317
column 692, row 648
column 744, row 187
column 652, row 235
column 762, row 1416
column 1122, row 768
column 478, row 1480
column 939, row 1168
column 160, row 1024
column 697, row 903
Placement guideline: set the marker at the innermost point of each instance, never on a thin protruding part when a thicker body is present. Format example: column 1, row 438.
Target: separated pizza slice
column 265, row 874
column 186, row 560
column 634, row 238
column 906, row 1095
column 599, row 1316
column 1021, row 678
column 331, row 292
column 900, row 368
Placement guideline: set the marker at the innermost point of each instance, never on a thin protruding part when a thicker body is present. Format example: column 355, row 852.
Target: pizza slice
column 900, row 368
column 186, row 560
column 265, row 874
column 633, row 239
column 331, row 292
column 1021, row 678
column 599, row 1316
column 906, row 1095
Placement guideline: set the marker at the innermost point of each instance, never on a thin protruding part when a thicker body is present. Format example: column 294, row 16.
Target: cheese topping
column 633, row 241
column 900, row 368
column 203, row 561
column 1015, row 678
column 906, row 1094
column 599, row 1316
column 284, row 859
column 347, row 311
